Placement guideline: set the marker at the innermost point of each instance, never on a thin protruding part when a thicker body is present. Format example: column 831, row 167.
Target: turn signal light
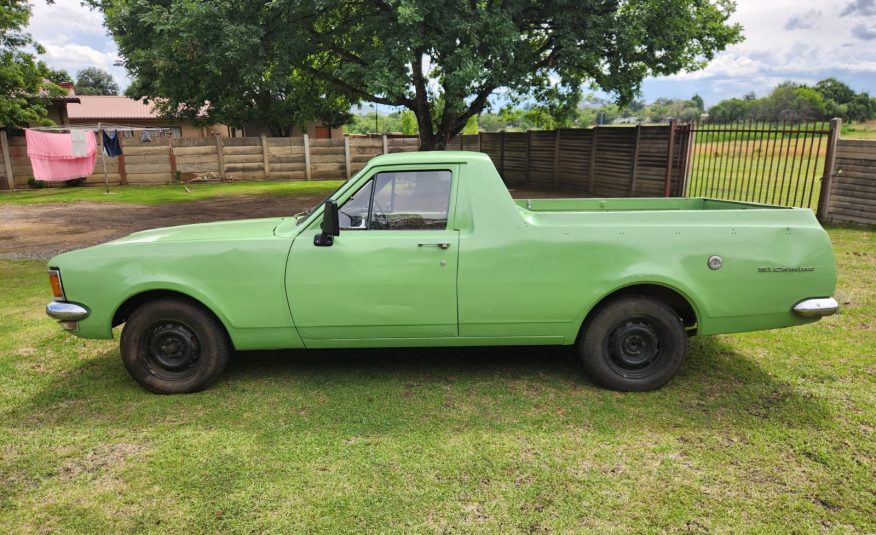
column 55, row 281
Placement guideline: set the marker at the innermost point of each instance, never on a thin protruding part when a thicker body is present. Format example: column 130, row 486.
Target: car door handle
column 441, row 244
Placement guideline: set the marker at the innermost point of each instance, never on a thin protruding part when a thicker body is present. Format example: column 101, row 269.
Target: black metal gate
column 770, row 163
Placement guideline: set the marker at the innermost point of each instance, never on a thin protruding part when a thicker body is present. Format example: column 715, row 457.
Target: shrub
column 34, row 183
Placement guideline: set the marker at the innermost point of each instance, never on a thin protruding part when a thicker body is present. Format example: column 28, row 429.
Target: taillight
column 57, row 287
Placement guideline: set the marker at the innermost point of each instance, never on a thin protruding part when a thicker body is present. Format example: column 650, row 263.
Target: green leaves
column 441, row 60
column 24, row 94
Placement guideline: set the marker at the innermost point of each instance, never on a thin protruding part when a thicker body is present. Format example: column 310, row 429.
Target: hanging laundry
column 111, row 143
column 145, row 137
column 52, row 158
column 77, row 139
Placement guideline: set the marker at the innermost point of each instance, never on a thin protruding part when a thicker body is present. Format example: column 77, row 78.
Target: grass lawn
column 162, row 194
column 766, row 432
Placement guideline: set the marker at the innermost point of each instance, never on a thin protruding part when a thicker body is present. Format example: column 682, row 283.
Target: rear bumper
column 63, row 311
column 816, row 307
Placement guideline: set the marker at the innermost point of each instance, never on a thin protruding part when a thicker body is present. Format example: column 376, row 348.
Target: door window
column 402, row 200
column 410, row 200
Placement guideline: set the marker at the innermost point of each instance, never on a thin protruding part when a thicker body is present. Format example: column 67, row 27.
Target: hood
column 223, row 230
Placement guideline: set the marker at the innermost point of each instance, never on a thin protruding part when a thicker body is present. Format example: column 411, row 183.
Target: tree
column 24, row 91
column 698, row 101
column 95, row 81
column 833, row 89
column 411, row 53
column 58, row 76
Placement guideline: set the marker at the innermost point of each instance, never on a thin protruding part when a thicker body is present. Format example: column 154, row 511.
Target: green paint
column 524, row 272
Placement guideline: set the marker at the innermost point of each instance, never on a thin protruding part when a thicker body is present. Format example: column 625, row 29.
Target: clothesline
column 48, row 163
column 96, row 127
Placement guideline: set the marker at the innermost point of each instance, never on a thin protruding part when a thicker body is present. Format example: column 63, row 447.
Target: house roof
column 95, row 107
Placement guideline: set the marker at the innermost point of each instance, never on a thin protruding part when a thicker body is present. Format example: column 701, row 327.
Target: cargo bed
column 638, row 204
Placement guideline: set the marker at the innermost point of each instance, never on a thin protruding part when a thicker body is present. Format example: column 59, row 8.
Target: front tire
column 174, row 346
column 633, row 344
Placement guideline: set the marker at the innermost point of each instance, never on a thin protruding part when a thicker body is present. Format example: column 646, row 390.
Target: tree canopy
column 24, row 90
column 790, row 101
column 95, row 81
column 441, row 60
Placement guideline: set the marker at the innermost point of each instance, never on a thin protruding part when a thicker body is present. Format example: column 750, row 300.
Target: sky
column 798, row 40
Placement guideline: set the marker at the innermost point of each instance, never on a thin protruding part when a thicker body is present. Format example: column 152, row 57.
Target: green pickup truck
column 429, row 249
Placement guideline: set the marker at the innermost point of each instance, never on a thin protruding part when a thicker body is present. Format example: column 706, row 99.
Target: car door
column 390, row 274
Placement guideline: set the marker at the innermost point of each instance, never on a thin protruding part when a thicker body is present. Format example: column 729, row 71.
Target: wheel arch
column 136, row 300
column 683, row 305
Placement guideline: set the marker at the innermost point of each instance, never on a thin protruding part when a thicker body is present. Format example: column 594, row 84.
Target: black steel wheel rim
column 170, row 349
column 634, row 347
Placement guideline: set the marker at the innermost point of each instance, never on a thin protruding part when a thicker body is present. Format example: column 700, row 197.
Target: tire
column 633, row 344
column 174, row 346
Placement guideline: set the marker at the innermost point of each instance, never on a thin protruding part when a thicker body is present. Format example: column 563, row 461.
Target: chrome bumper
column 816, row 308
column 62, row 311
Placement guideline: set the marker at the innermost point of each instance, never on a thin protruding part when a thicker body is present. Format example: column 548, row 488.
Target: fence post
column 480, row 142
column 266, row 164
column 670, row 152
column 120, row 161
column 592, row 169
column 635, row 168
column 528, row 147
column 172, row 157
column 557, row 159
column 220, row 154
column 7, row 161
column 690, row 133
column 836, row 125
column 347, row 155
column 502, row 154
column 307, row 172
column 385, row 145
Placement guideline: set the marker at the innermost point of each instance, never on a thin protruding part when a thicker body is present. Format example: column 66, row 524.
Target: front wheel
column 174, row 346
column 633, row 344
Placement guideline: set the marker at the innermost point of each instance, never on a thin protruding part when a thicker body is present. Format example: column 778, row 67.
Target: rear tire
column 633, row 344
column 174, row 346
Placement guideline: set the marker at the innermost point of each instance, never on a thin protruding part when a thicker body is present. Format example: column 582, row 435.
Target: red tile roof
column 95, row 107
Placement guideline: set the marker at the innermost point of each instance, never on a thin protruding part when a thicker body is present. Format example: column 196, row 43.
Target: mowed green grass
column 162, row 194
column 784, row 171
column 762, row 432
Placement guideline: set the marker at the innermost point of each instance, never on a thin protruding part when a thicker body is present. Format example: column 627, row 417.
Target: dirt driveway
column 43, row 230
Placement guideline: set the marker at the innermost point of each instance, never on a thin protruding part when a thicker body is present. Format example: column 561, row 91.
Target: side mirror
column 331, row 227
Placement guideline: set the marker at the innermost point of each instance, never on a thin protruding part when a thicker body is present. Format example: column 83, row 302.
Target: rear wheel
column 174, row 346
column 635, row 343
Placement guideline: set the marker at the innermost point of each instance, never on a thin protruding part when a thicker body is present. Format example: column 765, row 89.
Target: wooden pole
column 667, row 183
column 103, row 158
column 347, row 156
column 635, row 168
column 836, row 126
column 592, row 169
column 307, row 157
column 220, row 154
column 502, row 154
column 172, row 156
column 528, row 147
column 557, row 159
column 7, row 161
column 385, row 145
column 266, row 164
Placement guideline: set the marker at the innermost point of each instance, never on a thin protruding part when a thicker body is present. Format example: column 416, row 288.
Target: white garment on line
column 77, row 137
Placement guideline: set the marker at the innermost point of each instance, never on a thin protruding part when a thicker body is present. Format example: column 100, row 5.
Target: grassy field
column 163, row 194
column 866, row 130
column 763, row 432
column 782, row 170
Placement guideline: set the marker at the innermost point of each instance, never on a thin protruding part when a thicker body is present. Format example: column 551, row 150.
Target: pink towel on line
column 51, row 156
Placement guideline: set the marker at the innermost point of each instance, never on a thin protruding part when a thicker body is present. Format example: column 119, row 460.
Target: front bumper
column 816, row 307
column 68, row 314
